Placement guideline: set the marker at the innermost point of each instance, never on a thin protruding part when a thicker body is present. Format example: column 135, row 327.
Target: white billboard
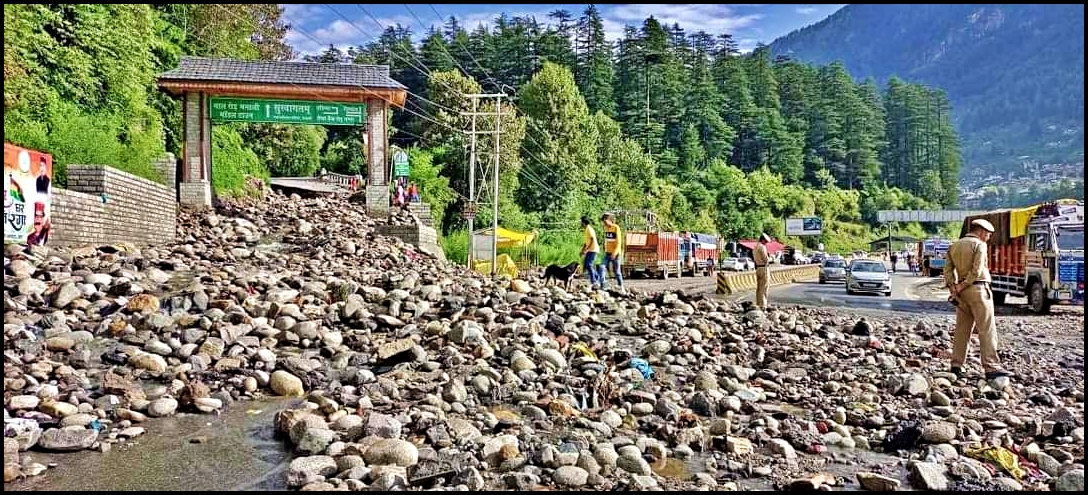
column 804, row 226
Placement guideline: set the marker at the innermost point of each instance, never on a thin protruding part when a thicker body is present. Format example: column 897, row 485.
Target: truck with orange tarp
column 1037, row 252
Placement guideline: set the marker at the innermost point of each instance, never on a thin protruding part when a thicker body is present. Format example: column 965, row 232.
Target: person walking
column 613, row 250
column 759, row 254
column 968, row 281
column 894, row 258
column 589, row 253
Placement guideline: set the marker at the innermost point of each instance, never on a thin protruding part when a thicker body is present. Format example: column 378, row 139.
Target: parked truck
column 1037, row 252
column 931, row 255
column 695, row 250
column 651, row 254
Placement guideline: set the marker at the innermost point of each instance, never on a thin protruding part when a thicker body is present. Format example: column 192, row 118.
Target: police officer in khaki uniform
column 759, row 255
column 968, row 281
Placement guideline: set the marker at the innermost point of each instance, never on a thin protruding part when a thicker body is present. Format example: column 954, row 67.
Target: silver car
column 865, row 275
column 832, row 269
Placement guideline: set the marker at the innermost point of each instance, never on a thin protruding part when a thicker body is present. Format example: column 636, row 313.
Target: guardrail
column 732, row 283
column 341, row 179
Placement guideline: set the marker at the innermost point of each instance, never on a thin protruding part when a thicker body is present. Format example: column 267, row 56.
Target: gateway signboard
column 286, row 111
column 804, row 226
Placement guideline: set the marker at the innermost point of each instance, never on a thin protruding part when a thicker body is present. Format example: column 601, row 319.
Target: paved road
column 905, row 297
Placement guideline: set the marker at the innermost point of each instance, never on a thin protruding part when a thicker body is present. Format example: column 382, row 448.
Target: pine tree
column 593, row 71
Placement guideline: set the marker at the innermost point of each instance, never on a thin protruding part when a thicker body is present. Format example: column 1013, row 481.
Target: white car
column 863, row 275
column 734, row 264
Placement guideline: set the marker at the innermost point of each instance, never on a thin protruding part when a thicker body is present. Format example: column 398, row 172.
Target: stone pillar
column 195, row 188
column 377, row 188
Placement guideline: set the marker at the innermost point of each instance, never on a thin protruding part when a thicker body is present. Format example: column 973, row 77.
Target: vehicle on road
column 817, row 258
column 832, row 269
column 733, row 265
column 749, row 263
column 932, row 252
column 652, row 254
column 868, row 276
column 695, row 249
column 1037, row 252
column 793, row 256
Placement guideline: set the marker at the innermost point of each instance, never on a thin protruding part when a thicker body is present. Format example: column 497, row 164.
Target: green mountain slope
column 1014, row 73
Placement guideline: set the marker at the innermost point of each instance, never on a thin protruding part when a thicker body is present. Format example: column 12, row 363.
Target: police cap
column 985, row 225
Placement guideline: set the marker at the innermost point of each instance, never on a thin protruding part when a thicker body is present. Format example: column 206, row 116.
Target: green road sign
column 286, row 111
column 400, row 164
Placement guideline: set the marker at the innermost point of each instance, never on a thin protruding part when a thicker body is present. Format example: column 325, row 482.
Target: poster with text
column 27, row 190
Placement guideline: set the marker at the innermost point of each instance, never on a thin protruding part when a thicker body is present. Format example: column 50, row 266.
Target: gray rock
column 782, row 448
column 65, row 295
column 392, row 451
column 939, row 432
column 315, row 441
column 929, row 476
column 917, row 385
column 877, row 483
column 304, row 468
column 939, row 399
column 164, row 406
column 571, row 476
column 1048, row 464
column 67, row 439
column 383, row 425
column 1070, row 481
column 633, row 464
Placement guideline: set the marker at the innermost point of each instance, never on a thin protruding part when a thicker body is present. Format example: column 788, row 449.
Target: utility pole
column 472, row 199
column 495, row 196
column 471, row 206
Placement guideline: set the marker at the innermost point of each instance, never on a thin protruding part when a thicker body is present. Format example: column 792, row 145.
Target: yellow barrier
column 732, row 283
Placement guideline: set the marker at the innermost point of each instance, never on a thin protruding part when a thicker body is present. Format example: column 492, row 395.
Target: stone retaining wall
column 421, row 236
column 103, row 205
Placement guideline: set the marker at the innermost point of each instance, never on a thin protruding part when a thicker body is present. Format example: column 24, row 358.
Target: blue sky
column 316, row 26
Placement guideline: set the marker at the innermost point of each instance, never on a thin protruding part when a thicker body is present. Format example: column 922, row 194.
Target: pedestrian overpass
column 925, row 216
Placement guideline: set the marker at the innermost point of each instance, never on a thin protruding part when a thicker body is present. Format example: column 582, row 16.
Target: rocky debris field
column 420, row 375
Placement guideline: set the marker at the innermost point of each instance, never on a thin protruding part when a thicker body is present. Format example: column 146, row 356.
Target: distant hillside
column 1014, row 73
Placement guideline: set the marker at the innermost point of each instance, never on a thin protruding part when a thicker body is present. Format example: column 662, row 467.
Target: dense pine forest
column 678, row 123
column 1014, row 72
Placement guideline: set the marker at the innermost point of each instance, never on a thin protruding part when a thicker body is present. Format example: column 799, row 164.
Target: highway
column 910, row 294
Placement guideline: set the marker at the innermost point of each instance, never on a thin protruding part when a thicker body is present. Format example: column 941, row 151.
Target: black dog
column 560, row 273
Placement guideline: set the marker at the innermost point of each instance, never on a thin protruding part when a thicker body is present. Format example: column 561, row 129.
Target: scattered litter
column 643, row 367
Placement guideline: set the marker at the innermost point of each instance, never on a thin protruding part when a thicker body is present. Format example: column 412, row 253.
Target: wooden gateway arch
column 224, row 90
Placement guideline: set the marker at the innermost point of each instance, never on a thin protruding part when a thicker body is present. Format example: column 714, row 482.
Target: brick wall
column 103, row 205
column 167, row 167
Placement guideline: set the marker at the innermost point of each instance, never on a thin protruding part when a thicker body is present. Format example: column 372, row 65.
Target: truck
column 931, row 255
column 695, row 250
column 1036, row 252
column 651, row 254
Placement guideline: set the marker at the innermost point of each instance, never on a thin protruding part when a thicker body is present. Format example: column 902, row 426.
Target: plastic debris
column 96, row 425
column 1001, row 456
column 585, row 351
column 643, row 367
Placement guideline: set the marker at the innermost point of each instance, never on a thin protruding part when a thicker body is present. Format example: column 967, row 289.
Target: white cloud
column 714, row 19
column 746, row 45
column 805, row 10
column 313, row 39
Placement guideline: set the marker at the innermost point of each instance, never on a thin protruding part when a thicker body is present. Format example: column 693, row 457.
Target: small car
column 832, row 269
column 864, row 275
column 733, row 264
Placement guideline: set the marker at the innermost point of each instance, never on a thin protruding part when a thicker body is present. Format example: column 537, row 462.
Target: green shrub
column 232, row 161
column 73, row 136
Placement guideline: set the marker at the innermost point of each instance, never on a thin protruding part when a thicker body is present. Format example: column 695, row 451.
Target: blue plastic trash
column 96, row 425
column 643, row 367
